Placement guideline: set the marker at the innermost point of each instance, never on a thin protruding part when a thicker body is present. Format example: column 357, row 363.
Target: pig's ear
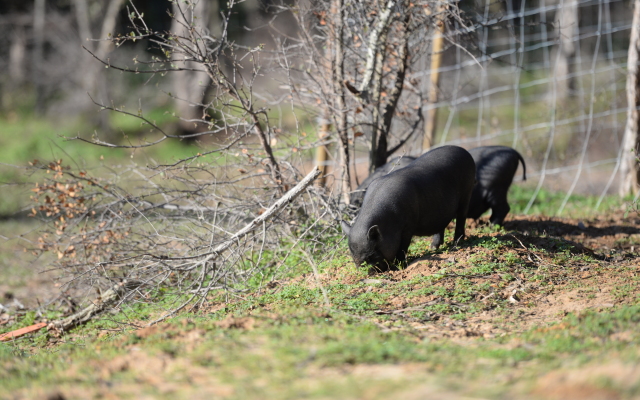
column 345, row 227
column 374, row 233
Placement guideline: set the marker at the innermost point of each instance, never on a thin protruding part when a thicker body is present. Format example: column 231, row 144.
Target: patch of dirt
column 26, row 281
column 24, row 284
column 230, row 322
column 427, row 388
column 427, row 265
column 144, row 333
column 164, row 373
column 583, row 383
column 600, row 234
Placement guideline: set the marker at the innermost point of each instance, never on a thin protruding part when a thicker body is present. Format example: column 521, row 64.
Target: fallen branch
column 103, row 301
column 277, row 206
column 117, row 292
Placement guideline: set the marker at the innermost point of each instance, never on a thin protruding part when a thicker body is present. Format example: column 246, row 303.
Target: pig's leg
column 401, row 257
column 437, row 240
column 461, row 218
column 499, row 208
column 459, row 232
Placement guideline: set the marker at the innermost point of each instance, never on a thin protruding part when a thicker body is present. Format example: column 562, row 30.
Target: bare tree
column 357, row 59
column 231, row 70
column 45, row 50
column 100, row 23
column 105, row 21
column 183, row 226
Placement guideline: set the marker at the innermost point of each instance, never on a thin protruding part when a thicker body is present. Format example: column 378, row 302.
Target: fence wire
column 546, row 77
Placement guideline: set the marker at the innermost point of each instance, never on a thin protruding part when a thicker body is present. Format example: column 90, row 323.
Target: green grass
column 26, row 138
column 287, row 346
column 548, row 203
column 284, row 343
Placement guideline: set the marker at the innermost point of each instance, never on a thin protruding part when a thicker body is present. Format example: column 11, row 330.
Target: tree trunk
column 189, row 87
column 38, row 52
column 322, row 155
column 82, row 18
column 340, row 102
column 17, row 53
column 566, row 28
column 93, row 73
column 437, row 43
column 629, row 167
column 377, row 158
column 108, row 27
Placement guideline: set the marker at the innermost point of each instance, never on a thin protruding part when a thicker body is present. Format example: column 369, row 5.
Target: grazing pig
column 393, row 165
column 418, row 200
column 495, row 168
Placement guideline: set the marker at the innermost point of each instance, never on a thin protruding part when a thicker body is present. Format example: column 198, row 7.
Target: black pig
column 393, row 165
column 418, row 200
column 495, row 168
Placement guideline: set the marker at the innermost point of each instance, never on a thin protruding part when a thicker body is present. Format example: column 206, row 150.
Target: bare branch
column 104, row 301
column 270, row 212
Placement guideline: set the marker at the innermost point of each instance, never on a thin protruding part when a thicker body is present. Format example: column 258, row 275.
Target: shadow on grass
column 528, row 242
column 559, row 228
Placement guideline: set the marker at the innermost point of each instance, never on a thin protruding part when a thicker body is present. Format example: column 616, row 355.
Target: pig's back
column 424, row 196
column 496, row 165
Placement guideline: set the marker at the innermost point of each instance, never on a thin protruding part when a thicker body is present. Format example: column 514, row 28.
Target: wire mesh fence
column 545, row 77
